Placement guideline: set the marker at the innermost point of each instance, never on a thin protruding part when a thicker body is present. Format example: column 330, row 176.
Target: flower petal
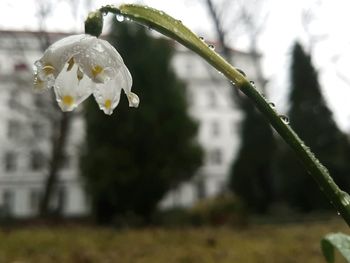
column 72, row 88
column 99, row 60
column 126, row 82
column 107, row 95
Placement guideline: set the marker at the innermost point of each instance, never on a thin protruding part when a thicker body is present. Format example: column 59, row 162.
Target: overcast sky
column 331, row 55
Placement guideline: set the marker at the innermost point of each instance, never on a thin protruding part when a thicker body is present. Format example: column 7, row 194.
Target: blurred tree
column 250, row 174
column 313, row 121
column 134, row 157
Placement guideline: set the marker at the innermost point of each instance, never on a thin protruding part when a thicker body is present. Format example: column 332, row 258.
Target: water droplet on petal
column 98, row 47
column 241, row 71
column 284, row 118
column 119, row 17
column 133, row 100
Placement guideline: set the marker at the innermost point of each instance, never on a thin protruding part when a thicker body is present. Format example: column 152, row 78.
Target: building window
column 37, row 161
column 215, row 156
column 8, row 202
column 10, row 160
column 13, row 129
column 67, row 161
column 189, row 67
column 212, row 99
column 21, row 66
column 34, row 200
column 38, row 129
column 215, row 128
column 201, row 189
column 13, row 99
column 61, row 199
column 39, row 101
column 235, row 127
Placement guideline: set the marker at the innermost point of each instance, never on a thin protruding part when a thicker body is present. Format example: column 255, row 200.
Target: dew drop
column 211, row 47
column 133, row 100
column 253, row 83
column 272, row 105
column 201, row 38
column 345, row 198
column 338, row 213
column 284, row 118
column 119, row 17
column 98, row 48
column 241, row 71
column 104, row 13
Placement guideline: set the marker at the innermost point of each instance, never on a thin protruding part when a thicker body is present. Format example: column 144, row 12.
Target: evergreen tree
column 313, row 121
column 135, row 156
column 250, row 175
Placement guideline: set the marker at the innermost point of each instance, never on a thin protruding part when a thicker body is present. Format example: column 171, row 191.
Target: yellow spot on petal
column 108, row 104
column 70, row 64
column 67, row 100
column 96, row 70
column 48, row 69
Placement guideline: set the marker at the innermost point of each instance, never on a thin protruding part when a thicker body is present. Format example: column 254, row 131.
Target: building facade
column 26, row 130
column 210, row 97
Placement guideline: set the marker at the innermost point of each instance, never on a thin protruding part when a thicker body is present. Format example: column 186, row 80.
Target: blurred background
column 195, row 170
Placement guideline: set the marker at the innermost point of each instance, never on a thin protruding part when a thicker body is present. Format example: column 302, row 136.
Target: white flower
column 79, row 65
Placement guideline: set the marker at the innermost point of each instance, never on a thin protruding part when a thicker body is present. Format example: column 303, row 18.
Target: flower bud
column 94, row 23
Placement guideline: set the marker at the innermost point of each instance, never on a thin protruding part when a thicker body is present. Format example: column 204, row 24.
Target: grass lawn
column 259, row 243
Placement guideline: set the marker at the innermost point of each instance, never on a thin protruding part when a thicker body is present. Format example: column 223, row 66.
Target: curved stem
column 174, row 29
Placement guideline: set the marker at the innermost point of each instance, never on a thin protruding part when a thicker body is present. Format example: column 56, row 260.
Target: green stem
column 174, row 29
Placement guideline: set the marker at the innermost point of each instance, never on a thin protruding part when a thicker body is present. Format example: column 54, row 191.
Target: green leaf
column 174, row 29
column 339, row 241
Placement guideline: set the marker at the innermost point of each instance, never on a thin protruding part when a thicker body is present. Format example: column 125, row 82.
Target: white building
column 25, row 130
column 210, row 98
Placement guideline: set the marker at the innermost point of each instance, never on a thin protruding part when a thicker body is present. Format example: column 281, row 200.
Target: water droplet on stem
column 241, row 71
column 119, row 17
column 284, row 118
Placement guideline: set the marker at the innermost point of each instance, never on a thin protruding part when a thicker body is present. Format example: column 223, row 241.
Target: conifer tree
column 251, row 176
column 132, row 158
column 311, row 118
